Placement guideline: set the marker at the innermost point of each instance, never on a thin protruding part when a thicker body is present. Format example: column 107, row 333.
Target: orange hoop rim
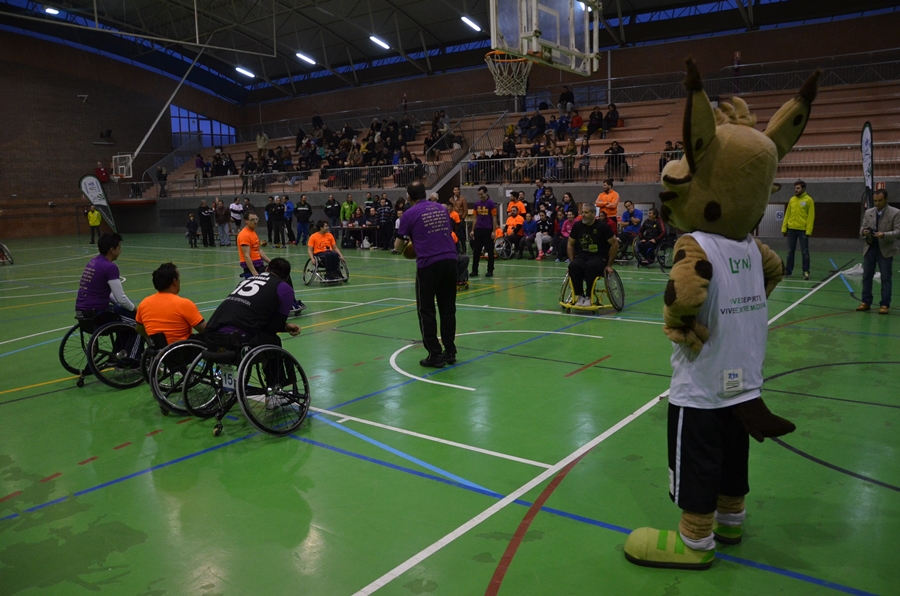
column 499, row 56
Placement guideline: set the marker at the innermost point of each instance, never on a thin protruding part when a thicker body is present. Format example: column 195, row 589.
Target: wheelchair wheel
column 72, row 351
column 309, row 272
column 168, row 372
column 566, row 294
column 615, row 290
column 345, row 273
column 273, row 390
column 202, row 391
column 503, row 248
column 5, row 255
column 626, row 252
column 664, row 255
column 114, row 355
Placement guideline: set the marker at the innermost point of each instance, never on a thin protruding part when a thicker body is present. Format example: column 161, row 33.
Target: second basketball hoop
column 510, row 72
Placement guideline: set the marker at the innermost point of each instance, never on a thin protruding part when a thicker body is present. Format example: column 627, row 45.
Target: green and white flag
column 93, row 190
column 867, row 148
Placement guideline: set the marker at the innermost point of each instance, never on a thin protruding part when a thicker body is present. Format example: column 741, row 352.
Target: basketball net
column 510, row 73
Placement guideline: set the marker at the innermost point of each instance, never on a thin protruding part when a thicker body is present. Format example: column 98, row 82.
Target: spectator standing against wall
column 223, row 216
column 205, row 219
column 303, row 211
column 94, row 219
column 608, row 203
column 192, row 228
column 428, row 226
column 799, row 216
column 881, row 230
column 333, row 212
column 289, row 219
column 237, row 215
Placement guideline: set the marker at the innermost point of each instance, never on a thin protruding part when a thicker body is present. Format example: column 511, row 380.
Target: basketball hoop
column 122, row 165
column 510, row 73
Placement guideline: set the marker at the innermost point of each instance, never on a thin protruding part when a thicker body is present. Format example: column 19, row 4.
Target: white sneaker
column 583, row 301
column 277, row 401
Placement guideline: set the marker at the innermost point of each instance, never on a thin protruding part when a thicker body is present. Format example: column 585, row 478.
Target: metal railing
column 174, row 160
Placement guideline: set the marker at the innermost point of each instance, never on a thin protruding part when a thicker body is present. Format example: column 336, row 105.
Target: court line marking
column 802, row 298
column 9, row 341
column 345, row 417
column 505, row 501
column 397, row 368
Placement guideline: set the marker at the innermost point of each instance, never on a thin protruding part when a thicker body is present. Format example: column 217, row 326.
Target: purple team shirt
column 429, row 227
column 483, row 217
column 93, row 290
column 285, row 298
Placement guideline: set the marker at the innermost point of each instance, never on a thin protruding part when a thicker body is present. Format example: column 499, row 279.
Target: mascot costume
column 717, row 318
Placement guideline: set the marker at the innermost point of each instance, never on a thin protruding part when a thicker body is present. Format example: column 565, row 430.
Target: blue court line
column 49, row 341
column 841, row 275
column 399, row 453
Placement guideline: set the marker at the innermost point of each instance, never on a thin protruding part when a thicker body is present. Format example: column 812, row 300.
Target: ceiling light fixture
column 471, row 23
column 50, row 10
column 246, row 73
column 379, row 42
column 306, row 58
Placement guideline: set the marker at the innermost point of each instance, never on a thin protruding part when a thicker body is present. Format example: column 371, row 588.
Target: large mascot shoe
column 727, row 534
column 650, row 547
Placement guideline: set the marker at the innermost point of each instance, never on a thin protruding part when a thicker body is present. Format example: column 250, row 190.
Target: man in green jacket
column 348, row 207
column 799, row 217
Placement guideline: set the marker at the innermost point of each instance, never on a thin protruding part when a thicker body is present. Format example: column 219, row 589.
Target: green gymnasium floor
column 518, row 471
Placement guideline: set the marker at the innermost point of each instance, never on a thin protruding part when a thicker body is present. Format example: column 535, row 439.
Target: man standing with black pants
column 483, row 233
column 205, row 219
column 303, row 211
column 429, row 227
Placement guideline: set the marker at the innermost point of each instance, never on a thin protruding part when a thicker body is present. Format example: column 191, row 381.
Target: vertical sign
column 867, row 160
column 93, row 190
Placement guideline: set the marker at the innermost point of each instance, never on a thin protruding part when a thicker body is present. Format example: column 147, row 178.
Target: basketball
column 409, row 250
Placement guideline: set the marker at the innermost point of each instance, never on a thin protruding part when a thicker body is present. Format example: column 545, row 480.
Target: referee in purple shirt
column 429, row 227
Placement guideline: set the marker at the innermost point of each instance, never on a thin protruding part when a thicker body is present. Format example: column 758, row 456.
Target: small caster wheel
column 164, row 411
column 79, row 383
column 217, row 431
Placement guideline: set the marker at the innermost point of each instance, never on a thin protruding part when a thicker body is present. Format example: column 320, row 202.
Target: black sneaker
column 433, row 362
column 489, row 274
column 449, row 357
column 473, row 274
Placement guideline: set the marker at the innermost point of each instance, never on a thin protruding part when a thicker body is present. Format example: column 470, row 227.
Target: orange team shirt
column 512, row 222
column 608, row 203
column 321, row 241
column 455, row 217
column 518, row 204
column 168, row 313
column 248, row 237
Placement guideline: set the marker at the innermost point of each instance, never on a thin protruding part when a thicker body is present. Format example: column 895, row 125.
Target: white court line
column 501, row 504
column 345, row 417
column 487, row 513
column 394, row 365
column 9, row 341
column 37, row 295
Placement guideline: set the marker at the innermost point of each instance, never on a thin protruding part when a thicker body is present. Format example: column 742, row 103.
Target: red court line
column 183, row 421
column 51, row 477
column 153, row 432
column 337, row 370
column 314, row 377
column 587, row 366
column 379, row 358
column 87, row 461
column 11, row 496
column 831, row 314
column 513, row 546
column 359, row 364
column 117, row 447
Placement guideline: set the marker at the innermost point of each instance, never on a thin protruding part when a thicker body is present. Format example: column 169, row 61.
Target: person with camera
column 881, row 229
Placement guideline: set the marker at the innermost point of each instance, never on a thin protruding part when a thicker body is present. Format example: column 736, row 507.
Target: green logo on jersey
column 738, row 264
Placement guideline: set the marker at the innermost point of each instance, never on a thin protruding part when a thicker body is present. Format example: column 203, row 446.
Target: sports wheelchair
column 612, row 289
column 503, row 248
column 165, row 367
column 314, row 271
column 266, row 381
column 111, row 350
column 5, row 255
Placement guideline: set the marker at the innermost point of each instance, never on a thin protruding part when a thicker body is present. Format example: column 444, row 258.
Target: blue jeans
column 302, row 232
column 793, row 236
column 872, row 257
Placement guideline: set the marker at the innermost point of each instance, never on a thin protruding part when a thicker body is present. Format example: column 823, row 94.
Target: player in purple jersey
column 101, row 286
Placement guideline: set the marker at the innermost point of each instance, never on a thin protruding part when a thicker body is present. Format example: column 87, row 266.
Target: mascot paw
column 760, row 422
column 694, row 336
column 665, row 548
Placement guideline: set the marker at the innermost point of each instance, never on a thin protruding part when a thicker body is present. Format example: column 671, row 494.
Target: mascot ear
column 699, row 120
column 775, row 188
column 788, row 123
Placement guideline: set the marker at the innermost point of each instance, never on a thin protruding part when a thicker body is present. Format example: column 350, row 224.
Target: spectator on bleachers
column 595, row 122
column 317, row 120
column 262, row 145
column 162, row 178
column 199, row 165
column 561, row 241
column 584, row 159
column 566, row 101
column 610, row 120
column 616, row 166
column 287, row 159
column 536, row 125
column 553, row 165
column 668, row 153
column 552, row 130
column 521, row 165
column 679, row 150
column 347, row 131
column 522, row 126
column 575, row 125
column 248, row 168
column 407, row 130
column 444, row 123
column 300, row 139
column 562, row 131
column 569, row 153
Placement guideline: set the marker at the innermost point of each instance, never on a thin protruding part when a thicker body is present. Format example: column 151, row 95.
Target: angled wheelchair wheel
column 5, row 255
column 114, row 355
column 503, row 248
column 664, row 255
column 309, row 272
column 273, row 390
column 168, row 372
column 566, row 294
column 615, row 290
column 202, row 390
column 345, row 273
column 72, row 351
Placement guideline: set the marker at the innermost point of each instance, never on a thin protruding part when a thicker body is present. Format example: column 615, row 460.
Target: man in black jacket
column 205, row 219
column 303, row 213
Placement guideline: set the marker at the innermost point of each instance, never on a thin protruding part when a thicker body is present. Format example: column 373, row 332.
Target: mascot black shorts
column 708, row 457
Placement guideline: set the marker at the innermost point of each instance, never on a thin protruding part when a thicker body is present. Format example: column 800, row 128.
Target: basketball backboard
column 559, row 33
column 122, row 165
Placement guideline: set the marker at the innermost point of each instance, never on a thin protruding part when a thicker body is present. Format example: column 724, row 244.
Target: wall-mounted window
column 186, row 125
